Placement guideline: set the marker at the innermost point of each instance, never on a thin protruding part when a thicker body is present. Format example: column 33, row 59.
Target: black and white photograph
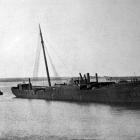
column 69, row 70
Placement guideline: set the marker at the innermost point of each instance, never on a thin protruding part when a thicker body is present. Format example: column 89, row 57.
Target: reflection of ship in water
column 81, row 89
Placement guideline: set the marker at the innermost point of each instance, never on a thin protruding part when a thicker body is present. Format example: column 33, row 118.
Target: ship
column 1, row 93
column 81, row 89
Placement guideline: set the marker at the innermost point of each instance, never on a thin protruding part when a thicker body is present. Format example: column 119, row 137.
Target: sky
column 92, row 36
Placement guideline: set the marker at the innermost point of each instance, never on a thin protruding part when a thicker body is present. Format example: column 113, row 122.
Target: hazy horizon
column 80, row 36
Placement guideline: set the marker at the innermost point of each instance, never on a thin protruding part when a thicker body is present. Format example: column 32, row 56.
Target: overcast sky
column 81, row 36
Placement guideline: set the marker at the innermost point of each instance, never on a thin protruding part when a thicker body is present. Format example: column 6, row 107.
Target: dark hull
column 110, row 94
column 1, row 93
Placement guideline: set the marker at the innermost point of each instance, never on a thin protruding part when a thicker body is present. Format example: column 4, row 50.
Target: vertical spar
column 47, row 70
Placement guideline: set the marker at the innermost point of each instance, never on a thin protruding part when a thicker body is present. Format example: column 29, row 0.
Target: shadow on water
column 133, row 106
column 119, row 106
column 35, row 137
column 126, row 106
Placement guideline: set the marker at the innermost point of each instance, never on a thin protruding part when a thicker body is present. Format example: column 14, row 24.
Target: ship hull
column 111, row 94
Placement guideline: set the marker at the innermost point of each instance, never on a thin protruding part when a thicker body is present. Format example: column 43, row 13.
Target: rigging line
column 37, row 58
column 60, row 58
column 51, row 62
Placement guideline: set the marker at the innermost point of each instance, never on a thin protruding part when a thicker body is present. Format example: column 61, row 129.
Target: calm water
column 52, row 120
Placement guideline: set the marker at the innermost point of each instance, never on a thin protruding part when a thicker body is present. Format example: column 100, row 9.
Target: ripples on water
column 52, row 120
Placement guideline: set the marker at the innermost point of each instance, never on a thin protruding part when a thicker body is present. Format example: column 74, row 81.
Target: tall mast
column 47, row 70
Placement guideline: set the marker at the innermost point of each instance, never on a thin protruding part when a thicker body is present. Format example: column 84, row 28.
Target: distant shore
column 108, row 78
column 34, row 79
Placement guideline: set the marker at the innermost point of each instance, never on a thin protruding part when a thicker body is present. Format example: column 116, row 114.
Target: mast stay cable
column 51, row 62
column 59, row 58
column 37, row 59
